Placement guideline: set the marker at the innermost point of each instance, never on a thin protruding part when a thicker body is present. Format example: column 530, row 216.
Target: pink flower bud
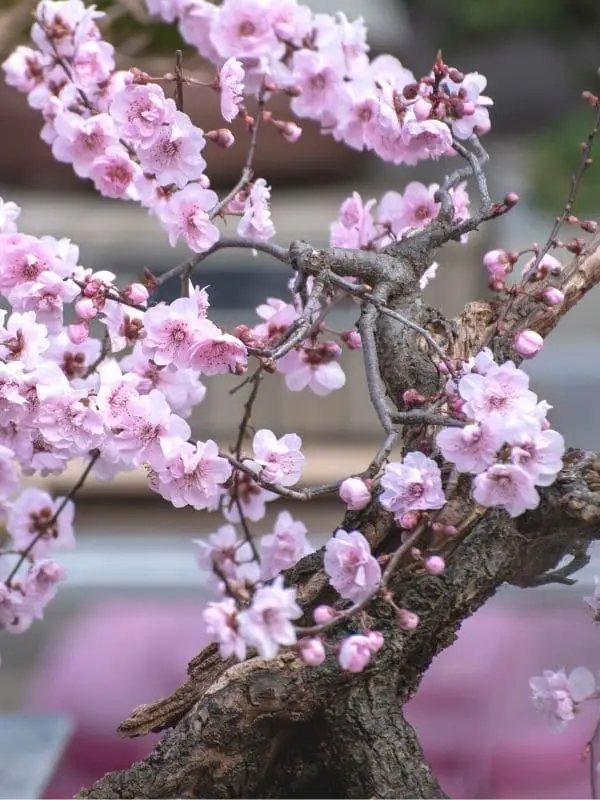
column 528, row 343
column 435, row 565
column 511, row 199
column 222, row 137
column 291, row 132
column 355, row 493
column 352, row 339
column 311, row 651
column 86, row 309
column 409, row 520
column 323, row 614
column 78, row 333
column 136, row 293
column 552, row 296
column 355, row 653
column 412, row 398
column 92, row 288
column 407, row 620
column 375, row 640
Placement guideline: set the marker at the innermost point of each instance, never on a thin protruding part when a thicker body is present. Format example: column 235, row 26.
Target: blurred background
column 127, row 621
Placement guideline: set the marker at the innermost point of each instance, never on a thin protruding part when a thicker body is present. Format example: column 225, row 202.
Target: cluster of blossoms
column 373, row 226
column 124, row 403
column 119, row 130
column 508, row 444
column 323, row 63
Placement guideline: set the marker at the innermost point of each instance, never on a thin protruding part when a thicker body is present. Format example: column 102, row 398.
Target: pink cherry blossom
column 67, row 423
column 181, row 387
column 311, row 651
column 231, row 85
column 151, row 433
column 498, row 263
column 170, row 331
column 354, row 227
column 474, row 116
column 412, row 484
column 278, row 316
column 23, row 339
column 414, row 208
column 284, row 547
column 508, row 486
column 320, row 80
column 185, row 214
column 173, row 154
column 267, row 625
column 93, row 63
column 114, row 173
column 314, row 366
column 24, row 68
column 558, row 696
column 115, row 392
column 256, row 220
column 352, row 570
column 427, row 139
column 501, row 397
column 45, row 297
column 355, row 653
column 70, row 22
column 280, row 459
column 193, row 477
column 221, row 621
column 355, row 493
column 139, row 111
column 80, row 141
column 249, row 495
column 548, row 265
column 224, row 551
column 244, row 29
column 29, row 519
column 195, row 24
column 40, row 585
column 539, row 454
column 472, row 448
column 216, row 353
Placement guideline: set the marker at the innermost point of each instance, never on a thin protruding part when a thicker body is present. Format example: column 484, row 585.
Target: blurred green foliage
column 463, row 19
column 555, row 155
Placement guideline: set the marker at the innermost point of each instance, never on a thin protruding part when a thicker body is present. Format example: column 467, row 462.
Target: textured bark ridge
column 281, row 729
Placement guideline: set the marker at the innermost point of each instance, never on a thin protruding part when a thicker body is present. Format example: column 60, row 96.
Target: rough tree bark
column 282, row 729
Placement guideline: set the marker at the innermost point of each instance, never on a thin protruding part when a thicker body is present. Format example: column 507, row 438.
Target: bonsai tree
column 310, row 655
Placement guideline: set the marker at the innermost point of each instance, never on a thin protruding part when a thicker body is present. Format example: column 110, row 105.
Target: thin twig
column 247, row 171
column 179, row 80
column 366, row 326
column 275, row 250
